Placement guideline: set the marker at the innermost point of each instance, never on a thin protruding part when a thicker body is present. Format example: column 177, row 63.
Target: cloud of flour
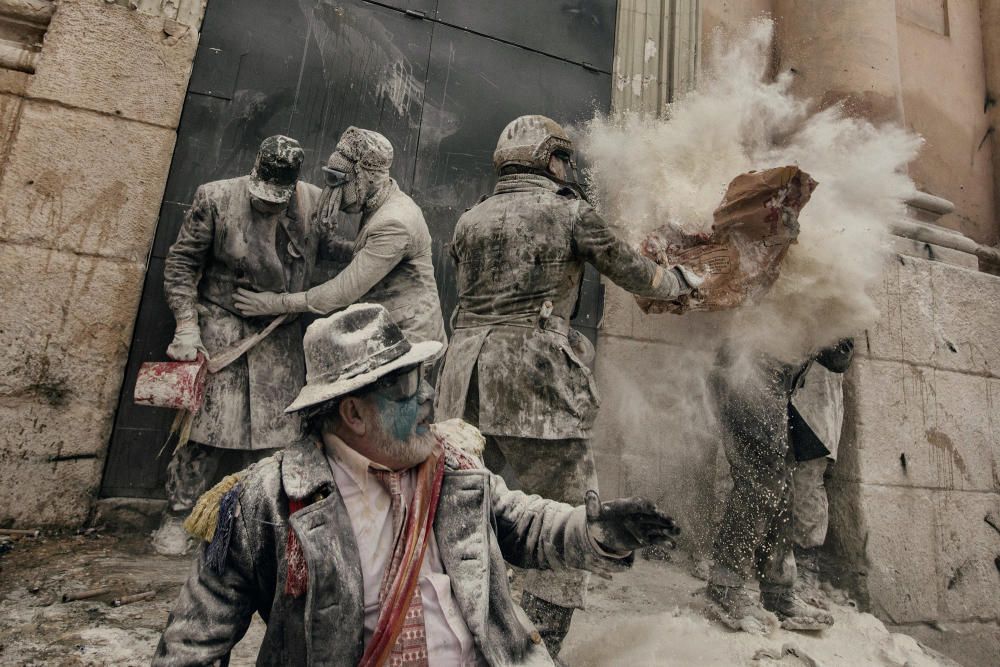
column 646, row 173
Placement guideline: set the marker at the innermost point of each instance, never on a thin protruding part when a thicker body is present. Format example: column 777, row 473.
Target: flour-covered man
column 380, row 540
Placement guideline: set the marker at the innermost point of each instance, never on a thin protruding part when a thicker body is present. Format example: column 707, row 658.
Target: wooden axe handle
column 220, row 361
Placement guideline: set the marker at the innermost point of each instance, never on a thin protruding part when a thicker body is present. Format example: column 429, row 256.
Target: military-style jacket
column 520, row 256
column 391, row 266
column 222, row 245
column 479, row 524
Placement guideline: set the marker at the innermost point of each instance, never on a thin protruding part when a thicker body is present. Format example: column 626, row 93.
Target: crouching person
column 380, row 540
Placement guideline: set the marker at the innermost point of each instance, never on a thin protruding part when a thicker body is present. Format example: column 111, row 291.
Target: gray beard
column 411, row 452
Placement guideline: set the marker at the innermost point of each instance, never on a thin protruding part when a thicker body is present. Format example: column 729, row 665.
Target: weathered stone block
column 901, row 551
column 115, row 61
column 967, row 576
column 38, row 431
column 966, row 311
column 10, row 109
column 919, row 427
column 905, row 329
column 76, row 181
column 36, row 494
column 66, row 325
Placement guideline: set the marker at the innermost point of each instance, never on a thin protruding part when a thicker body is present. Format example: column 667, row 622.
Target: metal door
column 440, row 78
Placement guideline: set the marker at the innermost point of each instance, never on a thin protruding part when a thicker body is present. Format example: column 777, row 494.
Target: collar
column 304, row 470
column 354, row 463
column 377, row 199
column 294, row 220
column 524, row 183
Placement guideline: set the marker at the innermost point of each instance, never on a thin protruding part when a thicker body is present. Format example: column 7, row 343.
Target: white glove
column 187, row 342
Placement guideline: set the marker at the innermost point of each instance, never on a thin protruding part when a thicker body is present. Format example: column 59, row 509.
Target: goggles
column 336, row 178
column 399, row 386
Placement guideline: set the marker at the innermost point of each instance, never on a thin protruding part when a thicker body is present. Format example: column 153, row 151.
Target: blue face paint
column 399, row 418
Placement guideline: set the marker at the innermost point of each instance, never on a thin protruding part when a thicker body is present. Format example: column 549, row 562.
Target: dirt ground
column 651, row 615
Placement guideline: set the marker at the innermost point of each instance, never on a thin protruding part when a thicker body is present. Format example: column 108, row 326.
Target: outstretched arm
column 597, row 243
column 385, row 247
column 545, row 534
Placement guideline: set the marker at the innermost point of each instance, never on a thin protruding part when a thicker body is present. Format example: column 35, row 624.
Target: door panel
column 582, row 31
column 311, row 68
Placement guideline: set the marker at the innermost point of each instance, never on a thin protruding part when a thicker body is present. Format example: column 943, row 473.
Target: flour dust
column 645, row 173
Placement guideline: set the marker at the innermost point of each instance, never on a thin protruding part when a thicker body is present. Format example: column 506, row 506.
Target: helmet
column 529, row 141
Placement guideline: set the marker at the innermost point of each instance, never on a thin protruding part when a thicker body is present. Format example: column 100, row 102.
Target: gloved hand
column 187, row 342
column 628, row 523
column 693, row 279
column 252, row 304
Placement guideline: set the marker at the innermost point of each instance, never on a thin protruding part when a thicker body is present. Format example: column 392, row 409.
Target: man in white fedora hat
column 380, row 540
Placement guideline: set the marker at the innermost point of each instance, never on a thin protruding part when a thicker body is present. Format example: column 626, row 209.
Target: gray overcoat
column 391, row 266
column 222, row 245
column 522, row 247
column 479, row 524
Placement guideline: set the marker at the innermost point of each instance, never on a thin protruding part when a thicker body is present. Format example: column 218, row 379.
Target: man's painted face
column 404, row 420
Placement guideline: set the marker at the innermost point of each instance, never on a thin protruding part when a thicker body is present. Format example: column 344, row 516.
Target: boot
column 551, row 620
column 807, row 578
column 737, row 609
column 170, row 539
column 794, row 612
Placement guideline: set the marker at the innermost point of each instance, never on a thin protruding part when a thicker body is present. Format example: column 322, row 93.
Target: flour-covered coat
column 391, row 266
column 223, row 244
column 524, row 246
column 479, row 524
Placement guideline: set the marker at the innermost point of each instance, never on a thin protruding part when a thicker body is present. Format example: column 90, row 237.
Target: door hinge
column 413, row 13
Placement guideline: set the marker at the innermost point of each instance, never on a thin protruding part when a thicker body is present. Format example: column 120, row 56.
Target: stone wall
column 85, row 146
column 920, row 458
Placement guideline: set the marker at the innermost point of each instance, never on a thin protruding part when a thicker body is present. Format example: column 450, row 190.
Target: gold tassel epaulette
column 205, row 515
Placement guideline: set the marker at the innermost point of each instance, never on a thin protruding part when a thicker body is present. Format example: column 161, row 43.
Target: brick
column 115, row 61
column 75, row 181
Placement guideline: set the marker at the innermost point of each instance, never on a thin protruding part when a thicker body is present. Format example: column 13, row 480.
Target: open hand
column 253, row 304
column 627, row 523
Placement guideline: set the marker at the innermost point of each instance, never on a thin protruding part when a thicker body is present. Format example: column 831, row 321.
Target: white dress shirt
column 449, row 641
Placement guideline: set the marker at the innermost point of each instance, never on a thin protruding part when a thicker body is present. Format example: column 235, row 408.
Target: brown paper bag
column 740, row 259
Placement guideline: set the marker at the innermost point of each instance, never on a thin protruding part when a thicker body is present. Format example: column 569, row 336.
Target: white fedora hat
column 353, row 348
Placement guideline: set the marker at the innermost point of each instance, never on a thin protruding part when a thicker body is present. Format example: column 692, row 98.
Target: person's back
column 514, row 251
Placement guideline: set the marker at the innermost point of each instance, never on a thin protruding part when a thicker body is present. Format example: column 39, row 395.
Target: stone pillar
column 990, row 18
column 656, row 53
column 845, row 51
column 643, row 441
